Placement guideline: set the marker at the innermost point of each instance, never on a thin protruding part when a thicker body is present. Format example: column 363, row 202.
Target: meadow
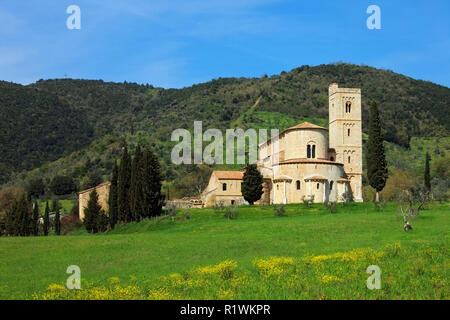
column 310, row 253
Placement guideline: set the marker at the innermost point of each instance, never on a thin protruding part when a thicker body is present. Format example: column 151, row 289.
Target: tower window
column 318, row 186
column 298, row 185
column 348, row 132
column 331, row 185
column 224, row 187
column 349, row 159
column 331, row 158
column 348, row 107
column 311, row 151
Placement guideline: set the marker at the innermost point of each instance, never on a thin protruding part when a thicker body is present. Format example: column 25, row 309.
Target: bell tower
column 345, row 133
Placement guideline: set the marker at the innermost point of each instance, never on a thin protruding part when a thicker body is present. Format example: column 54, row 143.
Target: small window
column 331, row 158
column 348, row 132
column 318, row 186
column 308, row 151
column 232, row 202
column 348, row 159
column 224, row 187
column 298, row 185
column 314, row 151
column 348, row 107
column 331, row 185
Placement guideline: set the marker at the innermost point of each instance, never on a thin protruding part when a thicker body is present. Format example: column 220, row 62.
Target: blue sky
column 178, row 43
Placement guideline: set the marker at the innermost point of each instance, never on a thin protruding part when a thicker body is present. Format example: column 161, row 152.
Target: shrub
column 231, row 212
column 279, row 210
column 331, row 206
column 62, row 185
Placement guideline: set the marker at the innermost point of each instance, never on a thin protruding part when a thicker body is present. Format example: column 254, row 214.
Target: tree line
column 135, row 192
column 23, row 218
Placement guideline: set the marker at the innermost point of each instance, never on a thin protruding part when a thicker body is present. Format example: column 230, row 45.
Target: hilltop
column 77, row 126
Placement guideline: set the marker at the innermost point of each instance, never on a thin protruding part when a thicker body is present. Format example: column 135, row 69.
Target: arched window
column 278, row 186
column 331, row 158
column 311, row 151
column 298, row 185
column 348, row 159
column 348, row 107
column 348, row 132
column 224, row 187
column 318, row 186
column 331, row 185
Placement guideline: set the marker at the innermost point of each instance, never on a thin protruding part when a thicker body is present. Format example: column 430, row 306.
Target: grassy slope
column 148, row 250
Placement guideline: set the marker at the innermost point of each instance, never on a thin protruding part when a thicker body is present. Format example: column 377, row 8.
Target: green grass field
column 318, row 255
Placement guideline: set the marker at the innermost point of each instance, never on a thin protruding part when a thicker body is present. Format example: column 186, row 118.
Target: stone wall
column 103, row 195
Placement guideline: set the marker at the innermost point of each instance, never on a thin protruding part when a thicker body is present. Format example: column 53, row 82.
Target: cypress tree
column 102, row 221
column 123, row 186
column 12, row 222
column 112, row 200
column 23, row 211
column 427, row 177
column 377, row 171
column 91, row 213
column 36, row 215
column 252, row 184
column 55, row 206
column 46, row 226
column 136, row 185
column 152, row 197
column 57, row 223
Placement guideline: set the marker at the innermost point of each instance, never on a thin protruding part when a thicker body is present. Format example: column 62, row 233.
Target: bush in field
column 231, row 212
column 279, row 210
column 331, row 206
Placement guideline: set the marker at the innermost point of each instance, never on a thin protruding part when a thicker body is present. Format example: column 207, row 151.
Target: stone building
column 224, row 187
column 103, row 194
column 306, row 161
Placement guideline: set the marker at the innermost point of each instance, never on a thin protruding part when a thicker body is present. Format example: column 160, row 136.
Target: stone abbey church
column 312, row 162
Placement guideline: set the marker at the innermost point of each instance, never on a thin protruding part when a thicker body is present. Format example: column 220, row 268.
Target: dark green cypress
column 12, row 219
column 112, row 200
column 427, row 177
column 57, row 223
column 123, row 184
column 46, row 226
column 377, row 171
column 136, row 185
column 152, row 197
column 92, row 212
column 36, row 216
column 252, row 184
column 24, row 214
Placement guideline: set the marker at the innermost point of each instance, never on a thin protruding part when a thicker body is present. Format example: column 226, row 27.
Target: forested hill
column 51, row 118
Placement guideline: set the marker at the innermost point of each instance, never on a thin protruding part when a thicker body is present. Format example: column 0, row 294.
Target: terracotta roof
column 301, row 126
column 90, row 189
column 316, row 178
column 229, row 175
column 305, row 160
column 343, row 180
column 306, row 125
column 283, row 178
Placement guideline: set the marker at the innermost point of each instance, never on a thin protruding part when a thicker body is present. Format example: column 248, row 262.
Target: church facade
column 309, row 162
